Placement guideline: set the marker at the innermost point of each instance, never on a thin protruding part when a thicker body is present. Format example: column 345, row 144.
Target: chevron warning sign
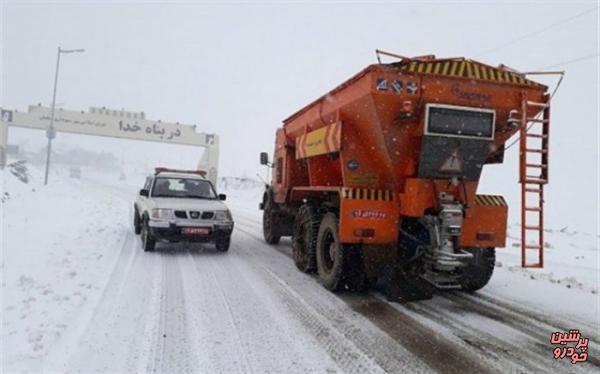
column 319, row 142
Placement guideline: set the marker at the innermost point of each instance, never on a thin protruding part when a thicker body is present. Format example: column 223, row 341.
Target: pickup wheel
column 137, row 222
column 148, row 241
column 222, row 244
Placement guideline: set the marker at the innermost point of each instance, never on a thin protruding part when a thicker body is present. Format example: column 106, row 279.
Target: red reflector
column 364, row 233
column 486, row 236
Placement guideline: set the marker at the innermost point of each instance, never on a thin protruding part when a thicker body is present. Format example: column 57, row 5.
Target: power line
column 562, row 76
column 516, row 40
column 557, row 86
column 582, row 58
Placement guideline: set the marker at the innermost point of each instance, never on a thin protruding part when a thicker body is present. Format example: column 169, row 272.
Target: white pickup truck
column 180, row 205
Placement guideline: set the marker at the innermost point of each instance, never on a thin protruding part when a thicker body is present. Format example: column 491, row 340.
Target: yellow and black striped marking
column 367, row 194
column 467, row 69
column 495, row 200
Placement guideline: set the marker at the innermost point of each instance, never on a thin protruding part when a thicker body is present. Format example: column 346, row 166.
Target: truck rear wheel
column 270, row 232
column 479, row 269
column 330, row 254
column 304, row 238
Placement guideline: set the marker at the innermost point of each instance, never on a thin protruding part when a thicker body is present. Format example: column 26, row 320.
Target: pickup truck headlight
column 161, row 213
column 222, row 215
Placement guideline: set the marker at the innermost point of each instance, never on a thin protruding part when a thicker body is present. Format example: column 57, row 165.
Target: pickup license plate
column 195, row 231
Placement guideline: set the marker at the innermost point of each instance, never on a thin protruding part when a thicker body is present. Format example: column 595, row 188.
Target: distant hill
column 239, row 183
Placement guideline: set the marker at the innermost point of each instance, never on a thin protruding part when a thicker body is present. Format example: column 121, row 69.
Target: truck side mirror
column 144, row 192
column 264, row 158
column 222, row 196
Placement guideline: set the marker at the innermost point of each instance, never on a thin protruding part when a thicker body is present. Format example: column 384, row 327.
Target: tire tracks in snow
column 342, row 349
column 171, row 350
column 114, row 283
column 244, row 362
column 262, row 336
column 402, row 322
column 506, row 348
column 537, row 327
column 353, row 349
column 208, row 308
column 495, row 305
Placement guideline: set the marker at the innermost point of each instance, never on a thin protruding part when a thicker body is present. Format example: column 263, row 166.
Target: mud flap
column 401, row 286
column 355, row 278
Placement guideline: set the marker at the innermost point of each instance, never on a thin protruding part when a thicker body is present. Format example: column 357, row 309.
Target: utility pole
column 50, row 132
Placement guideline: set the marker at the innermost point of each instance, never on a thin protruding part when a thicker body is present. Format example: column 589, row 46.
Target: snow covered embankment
column 58, row 244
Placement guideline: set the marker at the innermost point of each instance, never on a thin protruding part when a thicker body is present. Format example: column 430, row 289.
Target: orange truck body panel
column 363, row 140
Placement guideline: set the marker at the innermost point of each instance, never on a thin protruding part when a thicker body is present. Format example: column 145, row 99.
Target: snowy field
column 79, row 295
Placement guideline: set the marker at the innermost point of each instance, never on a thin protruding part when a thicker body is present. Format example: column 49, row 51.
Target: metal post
column 50, row 131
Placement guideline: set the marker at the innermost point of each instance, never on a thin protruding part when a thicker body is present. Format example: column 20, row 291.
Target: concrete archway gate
column 114, row 124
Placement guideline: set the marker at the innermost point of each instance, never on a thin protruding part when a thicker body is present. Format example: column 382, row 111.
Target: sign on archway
column 115, row 124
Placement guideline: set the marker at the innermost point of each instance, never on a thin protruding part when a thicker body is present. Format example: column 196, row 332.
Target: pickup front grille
column 194, row 214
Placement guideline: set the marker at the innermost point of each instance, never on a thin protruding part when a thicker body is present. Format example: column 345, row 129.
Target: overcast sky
column 239, row 69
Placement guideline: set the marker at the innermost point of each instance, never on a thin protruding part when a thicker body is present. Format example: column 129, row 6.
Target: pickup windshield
column 183, row 188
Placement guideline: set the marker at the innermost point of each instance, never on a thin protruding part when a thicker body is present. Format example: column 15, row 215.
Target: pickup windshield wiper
column 186, row 197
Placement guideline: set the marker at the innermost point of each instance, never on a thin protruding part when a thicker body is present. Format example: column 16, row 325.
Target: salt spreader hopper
column 378, row 177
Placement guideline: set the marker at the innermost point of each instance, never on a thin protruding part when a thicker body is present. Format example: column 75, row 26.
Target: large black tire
column 304, row 238
column 222, row 244
column 330, row 254
column 137, row 222
column 479, row 270
column 148, row 241
column 270, row 232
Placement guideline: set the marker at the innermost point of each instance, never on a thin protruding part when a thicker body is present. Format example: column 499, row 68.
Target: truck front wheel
column 330, row 254
column 479, row 269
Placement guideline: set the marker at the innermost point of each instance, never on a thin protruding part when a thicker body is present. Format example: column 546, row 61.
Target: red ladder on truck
column 533, row 159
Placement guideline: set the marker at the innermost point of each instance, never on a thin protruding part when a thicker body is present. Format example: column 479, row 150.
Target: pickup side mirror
column 222, row 196
column 144, row 192
column 264, row 158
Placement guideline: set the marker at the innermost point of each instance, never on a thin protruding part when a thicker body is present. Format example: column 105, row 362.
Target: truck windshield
column 183, row 188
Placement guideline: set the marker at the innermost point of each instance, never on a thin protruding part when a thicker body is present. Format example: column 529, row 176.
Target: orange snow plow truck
column 376, row 181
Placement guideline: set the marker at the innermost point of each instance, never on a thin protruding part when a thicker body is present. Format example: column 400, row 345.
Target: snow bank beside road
column 58, row 245
column 570, row 258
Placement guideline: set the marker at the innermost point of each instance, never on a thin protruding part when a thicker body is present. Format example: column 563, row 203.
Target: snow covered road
column 189, row 308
